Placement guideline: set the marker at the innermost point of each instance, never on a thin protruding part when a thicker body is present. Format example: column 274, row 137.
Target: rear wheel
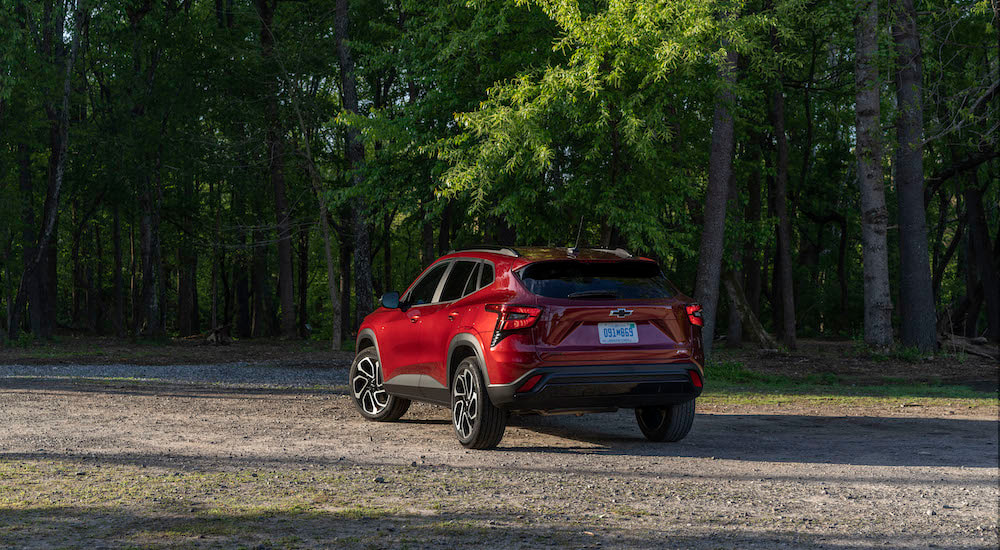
column 668, row 423
column 478, row 423
column 370, row 397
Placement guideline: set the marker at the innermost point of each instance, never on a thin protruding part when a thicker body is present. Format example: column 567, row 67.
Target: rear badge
column 620, row 313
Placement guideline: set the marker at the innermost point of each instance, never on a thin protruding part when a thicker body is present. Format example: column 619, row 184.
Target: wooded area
column 270, row 167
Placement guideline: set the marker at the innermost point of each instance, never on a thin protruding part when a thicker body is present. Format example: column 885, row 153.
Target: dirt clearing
column 115, row 462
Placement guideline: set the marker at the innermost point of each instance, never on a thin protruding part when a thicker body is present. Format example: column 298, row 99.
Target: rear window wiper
column 592, row 294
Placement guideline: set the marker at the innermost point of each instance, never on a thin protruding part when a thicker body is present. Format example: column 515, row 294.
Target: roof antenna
column 576, row 247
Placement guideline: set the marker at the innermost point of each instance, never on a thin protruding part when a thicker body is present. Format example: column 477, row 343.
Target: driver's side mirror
column 390, row 300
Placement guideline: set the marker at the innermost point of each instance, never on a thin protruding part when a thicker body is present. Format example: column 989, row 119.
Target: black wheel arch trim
column 467, row 339
column 366, row 334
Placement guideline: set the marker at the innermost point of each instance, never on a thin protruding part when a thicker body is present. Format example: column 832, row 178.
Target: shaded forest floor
column 824, row 362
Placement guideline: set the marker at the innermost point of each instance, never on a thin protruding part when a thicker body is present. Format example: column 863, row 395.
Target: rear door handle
column 452, row 315
column 414, row 318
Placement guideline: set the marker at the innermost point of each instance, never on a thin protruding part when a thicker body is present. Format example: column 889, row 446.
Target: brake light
column 694, row 315
column 511, row 318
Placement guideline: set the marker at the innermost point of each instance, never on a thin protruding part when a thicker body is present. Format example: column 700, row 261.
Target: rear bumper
column 569, row 388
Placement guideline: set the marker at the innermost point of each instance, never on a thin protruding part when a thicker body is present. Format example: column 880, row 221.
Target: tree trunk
column 982, row 251
column 241, row 266
column 387, row 252
column 303, row 282
column 750, row 322
column 874, row 215
column 751, row 262
column 444, row 229
column 426, row 236
column 734, row 330
column 276, row 165
column 33, row 286
column 786, row 290
column 118, row 322
column 714, row 228
column 346, row 252
column 916, row 295
column 149, row 245
column 355, row 160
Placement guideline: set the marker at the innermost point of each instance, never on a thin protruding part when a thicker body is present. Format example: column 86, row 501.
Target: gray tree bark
column 714, row 227
column 874, row 215
column 355, row 160
column 276, row 165
column 916, row 293
column 786, row 289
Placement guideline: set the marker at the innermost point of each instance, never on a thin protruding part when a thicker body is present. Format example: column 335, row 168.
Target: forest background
column 804, row 168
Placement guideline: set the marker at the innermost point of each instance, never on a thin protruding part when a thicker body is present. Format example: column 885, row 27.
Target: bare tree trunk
column 786, row 290
column 713, row 232
column 346, row 252
column 444, row 229
column 387, row 252
column 303, row 282
column 916, row 295
column 751, row 263
column 118, row 322
column 241, row 266
column 33, row 286
column 149, row 245
column 750, row 322
column 734, row 330
column 982, row 250
column 874, row 215
column 355, row 160
column 276, row 164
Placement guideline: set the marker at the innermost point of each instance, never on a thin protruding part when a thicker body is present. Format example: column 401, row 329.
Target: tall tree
column 720, row 167
column 784, row 241
column 276, row 170
column 355, row 160
column 874, row 215
column 916, row 293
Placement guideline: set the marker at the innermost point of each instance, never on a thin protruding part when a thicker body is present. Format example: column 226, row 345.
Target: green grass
column 732, row 378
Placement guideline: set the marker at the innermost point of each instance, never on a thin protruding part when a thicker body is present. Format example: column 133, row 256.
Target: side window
column 473, row 284
column 423, row 291
column 455, row 285
column 487, row 276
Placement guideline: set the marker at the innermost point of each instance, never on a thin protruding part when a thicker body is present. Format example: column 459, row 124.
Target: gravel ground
column 241, row 374
column 265, row 457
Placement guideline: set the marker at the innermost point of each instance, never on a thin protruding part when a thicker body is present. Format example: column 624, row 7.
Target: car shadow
column 867, row 440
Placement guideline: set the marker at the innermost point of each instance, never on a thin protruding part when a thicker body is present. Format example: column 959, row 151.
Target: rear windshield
column 596, row 280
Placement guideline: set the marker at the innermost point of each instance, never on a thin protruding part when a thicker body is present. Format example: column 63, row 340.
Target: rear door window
column 423, row 290
column 457, row 281
column 596, row 280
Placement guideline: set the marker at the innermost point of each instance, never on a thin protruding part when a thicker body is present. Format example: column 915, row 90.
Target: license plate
column 617, row 333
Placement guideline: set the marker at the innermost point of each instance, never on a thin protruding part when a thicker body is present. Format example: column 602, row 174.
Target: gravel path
column 239, row 374
column 263, row 457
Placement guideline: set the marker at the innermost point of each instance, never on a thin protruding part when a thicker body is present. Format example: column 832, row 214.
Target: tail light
column 512, row 318
column 694, row 315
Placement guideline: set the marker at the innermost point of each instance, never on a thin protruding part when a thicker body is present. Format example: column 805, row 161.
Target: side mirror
column 390, row 300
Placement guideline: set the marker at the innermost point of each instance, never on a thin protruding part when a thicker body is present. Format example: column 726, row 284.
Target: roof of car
column 539, row 253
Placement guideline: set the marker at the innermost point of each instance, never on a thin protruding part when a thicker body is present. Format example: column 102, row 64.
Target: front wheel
column 478, row 423
column 370, row 397
column 668, row 423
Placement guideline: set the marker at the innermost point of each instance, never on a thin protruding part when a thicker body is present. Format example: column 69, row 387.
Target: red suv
column 492, row 331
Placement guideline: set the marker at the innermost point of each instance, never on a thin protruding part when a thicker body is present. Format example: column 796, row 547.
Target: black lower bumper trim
column 599, row 386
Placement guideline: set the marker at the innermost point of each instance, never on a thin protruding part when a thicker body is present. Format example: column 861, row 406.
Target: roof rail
column 505, row 250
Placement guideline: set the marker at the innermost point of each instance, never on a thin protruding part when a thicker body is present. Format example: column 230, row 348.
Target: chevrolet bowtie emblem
column 621, row 313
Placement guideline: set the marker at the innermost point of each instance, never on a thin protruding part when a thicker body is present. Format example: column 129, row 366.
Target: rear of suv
column 494, row 331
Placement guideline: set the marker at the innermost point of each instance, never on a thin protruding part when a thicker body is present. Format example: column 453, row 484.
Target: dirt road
column 107, row 462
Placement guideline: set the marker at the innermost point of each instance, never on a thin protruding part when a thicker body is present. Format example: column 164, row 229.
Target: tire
column 669, row 423
column 477, row 422
column 370, row 397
